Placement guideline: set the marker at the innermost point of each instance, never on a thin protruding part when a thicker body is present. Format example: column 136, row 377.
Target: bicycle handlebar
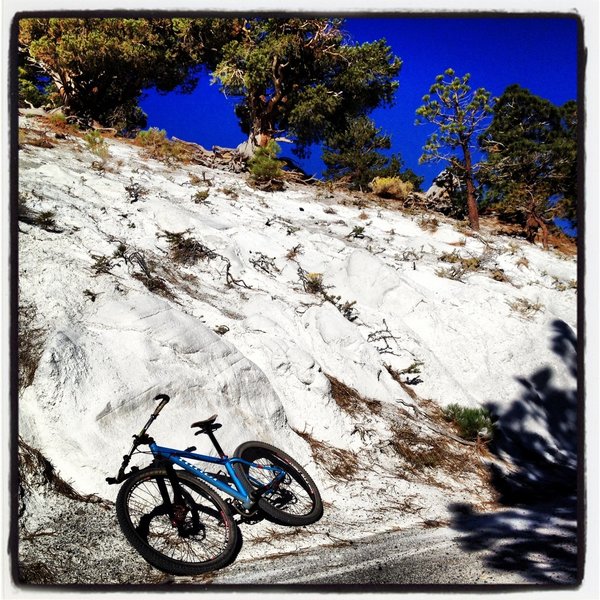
column 140, row 438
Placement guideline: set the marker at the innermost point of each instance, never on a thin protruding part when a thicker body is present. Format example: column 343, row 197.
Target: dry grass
column 349, row 400
column 428, row 223
column 156, row 285
column 417, row 451
column 339, row 463
column 525, row 308
column 293, row 253
column 272, row 536
column 156, row 144
column 185, row 250
column 391, row 187
column 32, row 463
column 30, row 344
column 36, row 573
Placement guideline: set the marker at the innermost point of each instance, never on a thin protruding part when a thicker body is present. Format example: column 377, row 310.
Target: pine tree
column 459, row 114
column 530, row 174
column 354, row 154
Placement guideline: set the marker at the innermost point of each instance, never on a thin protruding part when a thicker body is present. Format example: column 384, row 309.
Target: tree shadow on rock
column 537, row 435
column 536, row 443
column 539, row 542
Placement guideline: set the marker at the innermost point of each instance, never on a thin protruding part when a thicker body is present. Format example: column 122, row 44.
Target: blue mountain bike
column 181, row 525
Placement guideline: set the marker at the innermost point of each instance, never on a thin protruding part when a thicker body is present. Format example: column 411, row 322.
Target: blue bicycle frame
column 238, row 490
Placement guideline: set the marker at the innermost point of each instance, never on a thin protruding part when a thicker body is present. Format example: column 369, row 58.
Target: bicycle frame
column 237, row 491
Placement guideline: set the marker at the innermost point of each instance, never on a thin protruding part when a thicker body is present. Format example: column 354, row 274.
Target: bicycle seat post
column 216, row 444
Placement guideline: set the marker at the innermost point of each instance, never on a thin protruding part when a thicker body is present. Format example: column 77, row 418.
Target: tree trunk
column 261, row 131
column 472, row 209
column 532, row 224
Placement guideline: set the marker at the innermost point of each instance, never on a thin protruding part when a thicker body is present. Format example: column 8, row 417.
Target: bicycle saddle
column 207, row 425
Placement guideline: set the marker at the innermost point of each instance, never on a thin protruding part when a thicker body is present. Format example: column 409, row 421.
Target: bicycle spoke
column 289, row 495
column 200, row 537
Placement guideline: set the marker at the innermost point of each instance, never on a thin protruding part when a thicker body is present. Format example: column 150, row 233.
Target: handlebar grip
column 164, row 399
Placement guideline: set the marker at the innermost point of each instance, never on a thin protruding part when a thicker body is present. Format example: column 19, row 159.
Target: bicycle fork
column 177, row 507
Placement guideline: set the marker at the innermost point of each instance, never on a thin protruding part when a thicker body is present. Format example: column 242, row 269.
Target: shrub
column 59, row 122
column 158, row 146
column 314, row 283
column 264, row 166
column 185, row 250
column 391, row 187
column 470, row 263
column 135, row 191
column 97, row 144
column 102, row 264
column 357, row 233
column 201, row 196
column 472, row 423
column 525, row 307
column 294, row 252
column 45, row 219
column 152, row 138
column 428, row 223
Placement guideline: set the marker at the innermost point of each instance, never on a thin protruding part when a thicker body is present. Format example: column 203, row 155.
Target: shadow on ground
column 537, row 435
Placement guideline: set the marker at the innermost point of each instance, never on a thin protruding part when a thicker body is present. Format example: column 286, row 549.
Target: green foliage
column 531, row 170
column 458, row 114
column 358, row 232
column 158, row 146
column 353, row 154
column 264, row 166
column 98, row 67
column 31, row 85
column 456, row 111
column 301, row 77
column 472, row 423
column 201, row 197
column 97, row 144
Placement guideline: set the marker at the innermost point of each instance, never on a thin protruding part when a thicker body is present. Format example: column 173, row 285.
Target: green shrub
column 472, row 423
column 158, row 146
column 201, row 196
column 97, row 144
column 264, row 166
column 391, row 187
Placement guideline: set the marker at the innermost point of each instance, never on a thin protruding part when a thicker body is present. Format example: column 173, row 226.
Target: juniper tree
column 459, row 113
column 98, row 67
column 530, row 174
column 302, row 78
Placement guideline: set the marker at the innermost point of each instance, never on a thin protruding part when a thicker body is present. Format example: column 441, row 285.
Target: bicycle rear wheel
column 296, row 501
column 195, row 536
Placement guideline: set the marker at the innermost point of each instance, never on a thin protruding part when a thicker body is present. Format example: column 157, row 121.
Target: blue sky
column 538, row 53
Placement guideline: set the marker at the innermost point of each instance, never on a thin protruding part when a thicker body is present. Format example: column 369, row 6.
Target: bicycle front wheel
column 193, row 535
column 296, row 501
